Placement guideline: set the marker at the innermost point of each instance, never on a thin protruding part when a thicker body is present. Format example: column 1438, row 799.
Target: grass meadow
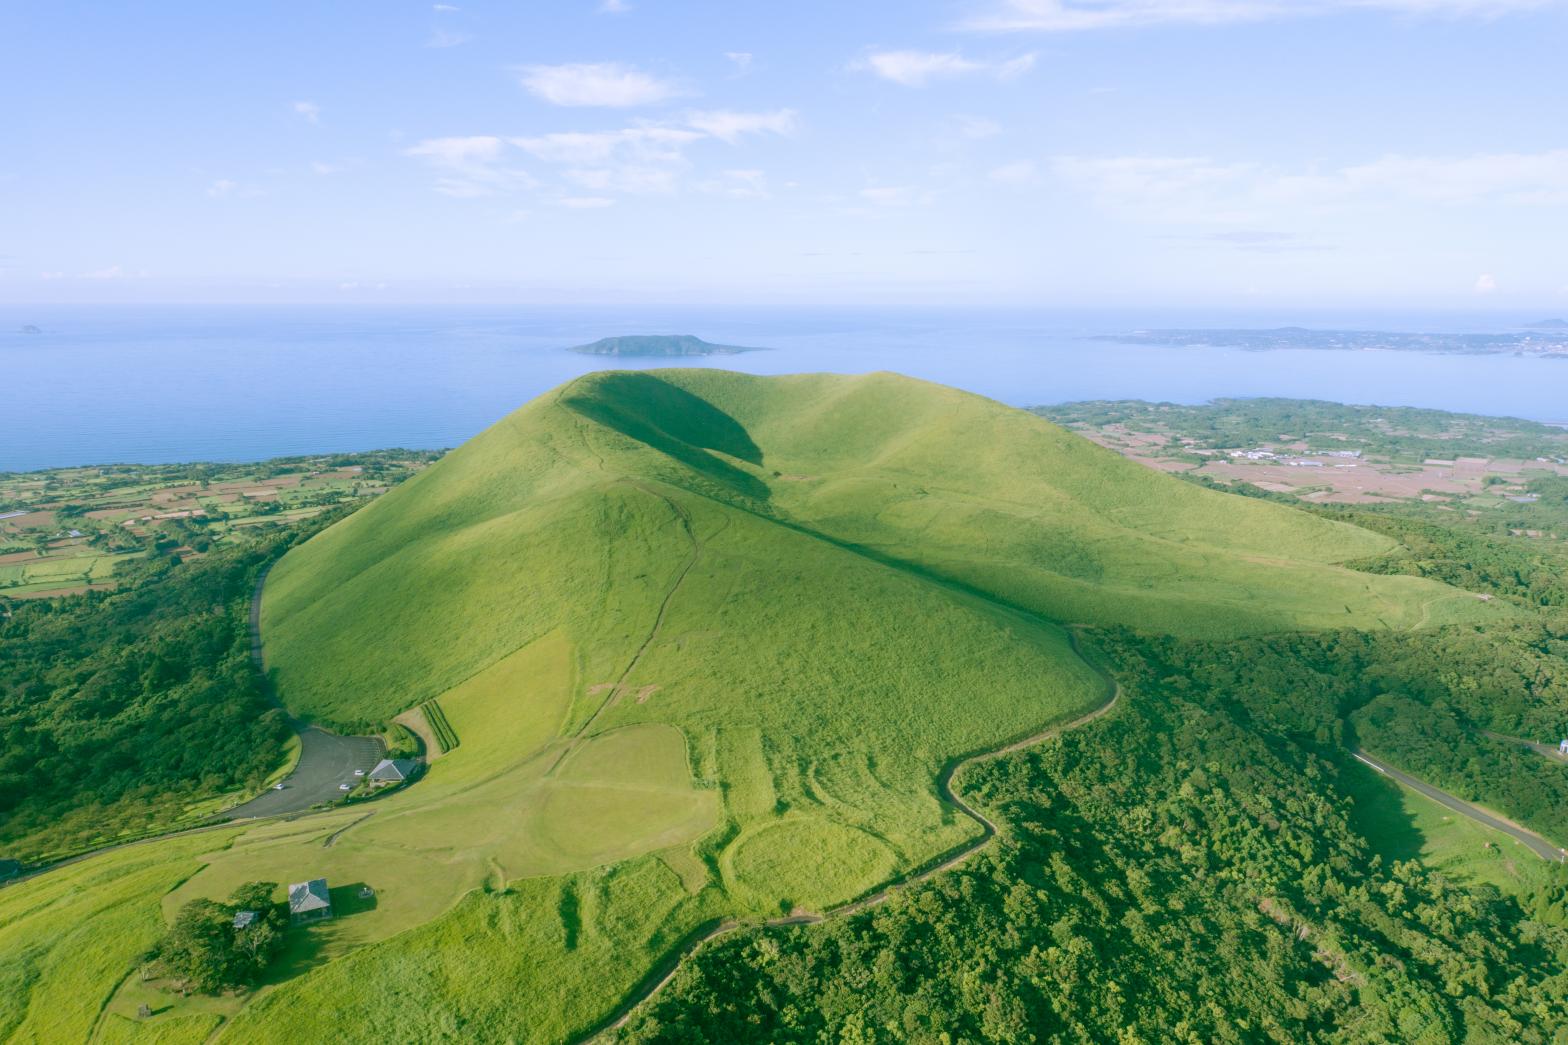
column 707, row 642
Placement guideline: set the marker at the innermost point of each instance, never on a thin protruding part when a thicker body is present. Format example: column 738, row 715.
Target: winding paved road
column 1540, row 846
column 326, row 760
column 658, row 977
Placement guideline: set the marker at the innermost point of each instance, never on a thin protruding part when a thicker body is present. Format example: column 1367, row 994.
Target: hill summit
column 659, row 345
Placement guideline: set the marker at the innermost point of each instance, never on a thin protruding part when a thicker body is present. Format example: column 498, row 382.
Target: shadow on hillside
column 676, row 423
column 1379, row 812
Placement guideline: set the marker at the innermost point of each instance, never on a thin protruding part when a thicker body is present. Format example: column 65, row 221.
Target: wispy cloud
column 470, row 166
column 604, row 84
column 1486, row 283
column 1075, row 15
column 730, row 126
column 590, row 147
column 1019, row 172
column 309, row 110
column 741, row 60
column 918, row 68
column 443, row 38
column 738, row 184
column 1200, row 189
column 895, row 195
column 614, row 7
column 649, row 157
column 221, row 188
column 584, row 202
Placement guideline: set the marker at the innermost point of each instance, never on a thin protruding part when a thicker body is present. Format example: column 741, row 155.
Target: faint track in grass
column 660, row 975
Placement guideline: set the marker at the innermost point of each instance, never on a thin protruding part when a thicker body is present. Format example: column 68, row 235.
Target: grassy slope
column 707, row 640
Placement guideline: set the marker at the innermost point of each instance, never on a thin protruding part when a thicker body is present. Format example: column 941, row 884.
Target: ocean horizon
column 158, row 384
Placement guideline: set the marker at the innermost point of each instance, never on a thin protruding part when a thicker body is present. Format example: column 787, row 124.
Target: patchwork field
column 704, row 642
column 68, row 529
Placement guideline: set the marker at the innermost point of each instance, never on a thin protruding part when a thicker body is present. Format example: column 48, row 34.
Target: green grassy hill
column 578, row 510
column 707, row 641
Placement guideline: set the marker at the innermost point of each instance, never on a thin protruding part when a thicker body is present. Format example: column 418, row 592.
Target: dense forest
column 1173, row 872
column 1190, row 868
column 120, row 709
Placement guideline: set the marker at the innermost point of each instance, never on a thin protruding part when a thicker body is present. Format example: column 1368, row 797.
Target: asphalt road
column 326, row 760
column 1540, row 846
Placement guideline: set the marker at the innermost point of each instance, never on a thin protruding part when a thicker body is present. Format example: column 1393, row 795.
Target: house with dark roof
column 393, row 770
column 309, row 901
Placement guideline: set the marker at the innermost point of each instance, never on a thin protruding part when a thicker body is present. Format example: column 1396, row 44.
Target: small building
column 244, row 919
column 393, row 770
column 309, row 901
column 1562, row 748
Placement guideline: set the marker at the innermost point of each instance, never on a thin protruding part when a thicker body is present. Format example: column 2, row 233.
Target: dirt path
column 1540, row 846
column 660, row 976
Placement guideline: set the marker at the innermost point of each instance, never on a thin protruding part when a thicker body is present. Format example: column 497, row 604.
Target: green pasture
column 708, row 642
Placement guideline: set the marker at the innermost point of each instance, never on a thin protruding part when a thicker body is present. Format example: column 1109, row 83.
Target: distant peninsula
column 659, row 345
column 1544, row 342
column 1549, row 324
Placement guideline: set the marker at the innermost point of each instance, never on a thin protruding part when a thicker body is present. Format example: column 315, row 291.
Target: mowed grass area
column 708, row 641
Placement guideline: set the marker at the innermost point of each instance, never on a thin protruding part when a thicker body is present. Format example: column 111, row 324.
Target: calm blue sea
column 146, row 384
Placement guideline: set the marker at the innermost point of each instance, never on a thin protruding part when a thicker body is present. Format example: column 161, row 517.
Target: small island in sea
column 28, row 328
column 1549, row 324
column 659, row 345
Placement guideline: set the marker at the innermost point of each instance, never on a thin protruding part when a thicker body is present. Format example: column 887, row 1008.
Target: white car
column 359, row 772
column 277, row 787
column 345, row 787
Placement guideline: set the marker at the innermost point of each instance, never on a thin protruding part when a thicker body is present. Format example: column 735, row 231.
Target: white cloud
column 1199, row 189
column 894, row 195
column 444, row 7
column 917, row 68
column 1019, row 172
column 607, row 84
column 636, row 179
column 457, row 152
column 595, row 147
column 443, row 38
column 221, row 188
column 1071, row 15
column 740, row 59
column 977, row 127
column 584, row 202
column 470, row 166
column 738, row 184
column 730, row 126
column 112, row 272
column 614, row 7
column 325, row 169
column 310, row 110
column 1485, row 284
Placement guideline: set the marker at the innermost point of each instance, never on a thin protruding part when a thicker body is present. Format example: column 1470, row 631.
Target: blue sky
column 1041, row 152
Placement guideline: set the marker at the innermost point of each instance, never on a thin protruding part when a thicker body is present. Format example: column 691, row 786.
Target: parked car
column 277, row 787
column 345, row 787
column 359, row 772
